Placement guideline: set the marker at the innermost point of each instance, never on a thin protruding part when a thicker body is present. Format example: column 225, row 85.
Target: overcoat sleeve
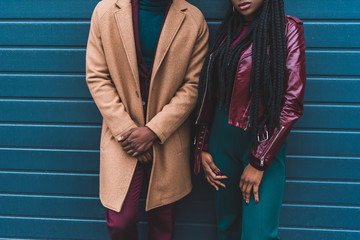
column 101, row 85
column 174, row 114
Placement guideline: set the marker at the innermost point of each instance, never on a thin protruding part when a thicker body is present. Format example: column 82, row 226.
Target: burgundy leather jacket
column 240, row 101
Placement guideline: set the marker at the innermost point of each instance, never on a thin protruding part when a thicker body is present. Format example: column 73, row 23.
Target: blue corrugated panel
column 50, row 128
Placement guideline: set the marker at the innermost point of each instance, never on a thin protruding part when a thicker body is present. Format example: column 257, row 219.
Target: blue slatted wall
column 50, row 128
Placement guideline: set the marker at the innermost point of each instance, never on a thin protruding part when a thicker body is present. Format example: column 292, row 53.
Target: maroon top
column 246, row 26
column 217, row 94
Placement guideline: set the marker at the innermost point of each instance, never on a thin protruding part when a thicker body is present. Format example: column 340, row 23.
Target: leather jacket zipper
column 206, row 85
column 247, row 125
column 262, row 159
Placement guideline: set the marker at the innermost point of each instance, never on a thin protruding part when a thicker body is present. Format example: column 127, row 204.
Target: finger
column 217, row 174
column 217, row 177
column 217, row 182
column 214, row 168
column 137, row 153
column 141, row 159
column 125, row 135
column 248, row 193
column 243, row 191
column 242, row 182
column 209, row 161
column 207, row 169
column 145, row 160
column 148, row 156
column 213, row 174
column 130, row 152
column 213, row 184
column 209, row 172
column 144, row 147
column 128, row 142
column 125, row 143
column 133, row 145
column 149, row 162
column 127, row 148
column 256, row 193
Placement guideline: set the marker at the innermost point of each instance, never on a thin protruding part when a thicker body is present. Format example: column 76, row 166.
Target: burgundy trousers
column 123, row 225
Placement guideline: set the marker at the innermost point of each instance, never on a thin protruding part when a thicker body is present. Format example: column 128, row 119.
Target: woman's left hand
column 250, row 182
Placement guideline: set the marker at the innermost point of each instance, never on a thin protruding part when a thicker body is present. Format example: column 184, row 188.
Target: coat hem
column 122, row 203
column 109, row 207
column 169, row 200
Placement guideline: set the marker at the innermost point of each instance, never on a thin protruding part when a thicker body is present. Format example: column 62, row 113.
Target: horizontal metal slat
column 323, row 34
column 320, row 142
column 43, row 85
column 332, row 89
column 300, row 142
column 296, row 191
column 335, row 116
column 294, row 233
column 322, row 167
column 51, row 136
column 306, row 9
column 56, row 111
column 72, row 60
column 58, row 160
column 318, row 89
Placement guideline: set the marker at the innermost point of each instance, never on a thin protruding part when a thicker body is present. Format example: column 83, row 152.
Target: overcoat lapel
column 124, row 22
column 171, row 27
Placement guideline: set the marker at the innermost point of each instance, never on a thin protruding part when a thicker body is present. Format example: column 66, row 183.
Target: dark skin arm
column 137, row 141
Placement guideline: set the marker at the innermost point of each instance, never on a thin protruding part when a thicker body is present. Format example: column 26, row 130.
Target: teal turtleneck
column 151, row 15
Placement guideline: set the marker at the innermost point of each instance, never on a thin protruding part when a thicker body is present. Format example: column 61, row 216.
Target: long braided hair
column 268, row 65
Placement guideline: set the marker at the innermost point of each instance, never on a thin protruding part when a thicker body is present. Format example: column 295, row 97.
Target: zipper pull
column 262, row 162
column 247, row 125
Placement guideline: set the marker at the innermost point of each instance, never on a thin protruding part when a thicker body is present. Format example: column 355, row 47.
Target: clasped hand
column 137, row 142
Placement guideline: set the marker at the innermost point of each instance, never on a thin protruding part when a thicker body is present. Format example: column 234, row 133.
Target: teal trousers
column 230, row 148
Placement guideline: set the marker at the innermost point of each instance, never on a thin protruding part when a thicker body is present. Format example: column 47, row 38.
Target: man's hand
column 146, row 158
column 212, row 172
column 137, row 140
column 250, row 182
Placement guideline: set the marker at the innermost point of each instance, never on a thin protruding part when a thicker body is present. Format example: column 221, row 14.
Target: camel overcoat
column 113, row 79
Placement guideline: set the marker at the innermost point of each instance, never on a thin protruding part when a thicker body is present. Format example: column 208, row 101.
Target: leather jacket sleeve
column 292, row 99
column 201, row 145
column 203, row 124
